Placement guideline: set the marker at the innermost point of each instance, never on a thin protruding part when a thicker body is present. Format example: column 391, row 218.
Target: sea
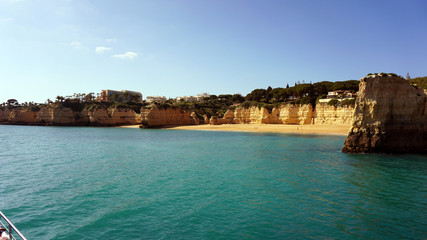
column 121, row 183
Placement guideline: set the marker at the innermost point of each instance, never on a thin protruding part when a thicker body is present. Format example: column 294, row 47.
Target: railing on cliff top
column 12, row 230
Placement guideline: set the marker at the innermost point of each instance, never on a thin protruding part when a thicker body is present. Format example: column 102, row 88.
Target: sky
column 185, row 47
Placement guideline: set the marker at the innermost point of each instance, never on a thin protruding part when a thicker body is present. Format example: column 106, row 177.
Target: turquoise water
column 114, row 183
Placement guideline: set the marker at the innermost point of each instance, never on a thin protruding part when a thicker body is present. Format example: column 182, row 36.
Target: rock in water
column 390, row 116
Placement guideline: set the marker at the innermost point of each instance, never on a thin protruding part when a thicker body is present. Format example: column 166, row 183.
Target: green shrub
column 246, row 104
column 164, row 105
column 34, row 108
column 269, row 107
column 333, row 102
column 73, row 105
column 348, row 102
column 420, row 82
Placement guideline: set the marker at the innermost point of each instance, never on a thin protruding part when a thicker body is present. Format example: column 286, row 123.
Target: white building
column 201, row 96
column 155, row 99
column 120, row 96
column 186, row 99
column 197, row 98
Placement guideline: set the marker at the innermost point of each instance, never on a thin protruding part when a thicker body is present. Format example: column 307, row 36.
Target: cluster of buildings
column 339, row 95
column 126, row 95
column 197, row 98
column 120, row 96
column 151, row 99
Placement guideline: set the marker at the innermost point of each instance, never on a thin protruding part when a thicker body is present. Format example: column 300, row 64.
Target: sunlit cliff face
column 390, row 116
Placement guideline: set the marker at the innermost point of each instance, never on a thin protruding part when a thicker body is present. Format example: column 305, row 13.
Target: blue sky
column 176, row 48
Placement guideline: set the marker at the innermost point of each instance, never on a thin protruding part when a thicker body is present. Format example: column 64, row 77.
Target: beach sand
column 275, row 128
column 129, row 126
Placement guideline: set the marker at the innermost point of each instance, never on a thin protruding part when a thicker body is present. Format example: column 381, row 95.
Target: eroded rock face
column 22, row 116
column 155, row 117
column 390, row 116
column 4, row 115
column 288, row 114
column 121, row 116
column 331, row 115
column 64, row 116
column 61, row 116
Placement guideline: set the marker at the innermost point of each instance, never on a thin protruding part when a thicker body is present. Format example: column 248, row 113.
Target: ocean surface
column 118, row 183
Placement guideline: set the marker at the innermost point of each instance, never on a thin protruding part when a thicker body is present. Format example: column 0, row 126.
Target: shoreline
column 270, row 128
column 341, row 130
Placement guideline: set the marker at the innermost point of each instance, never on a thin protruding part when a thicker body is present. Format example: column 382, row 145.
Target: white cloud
column 110, row 40
column 102, row 49
column 126, row 55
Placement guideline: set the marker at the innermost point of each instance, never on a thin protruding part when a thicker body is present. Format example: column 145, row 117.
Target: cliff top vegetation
column 216, row 105
column 301, row 93
column 420, row 82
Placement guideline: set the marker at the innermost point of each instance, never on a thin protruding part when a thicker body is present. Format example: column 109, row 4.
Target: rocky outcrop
column 284, row 114
column 115, row 116
column 61, row 116
column 155, row 117
column 4, row 115
column 22, row 116
column 390, row 116
column 331, row 115
column 64, row 116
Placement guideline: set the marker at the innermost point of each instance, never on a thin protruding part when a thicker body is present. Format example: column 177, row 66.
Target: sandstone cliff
column 155, row 117
column 390, row 116
column 331, row 115
column 286, row 114
column 66, row 117
column 60, row 116
column 289, row 114
column 115, row 116
column 4, row 115
column 22, row 116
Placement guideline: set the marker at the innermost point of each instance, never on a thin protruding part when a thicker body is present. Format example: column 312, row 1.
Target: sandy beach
column 129, row 126
column 275, row 128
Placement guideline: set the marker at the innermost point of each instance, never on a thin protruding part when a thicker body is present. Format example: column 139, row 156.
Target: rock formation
column 4, row 115
column 390, row 116
column 331, row 115
column 285, row 114
column 289, row 114
column 114, row 116
column 60, row 116
column 63, row 116
column 155, row 117
column 22, row 116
